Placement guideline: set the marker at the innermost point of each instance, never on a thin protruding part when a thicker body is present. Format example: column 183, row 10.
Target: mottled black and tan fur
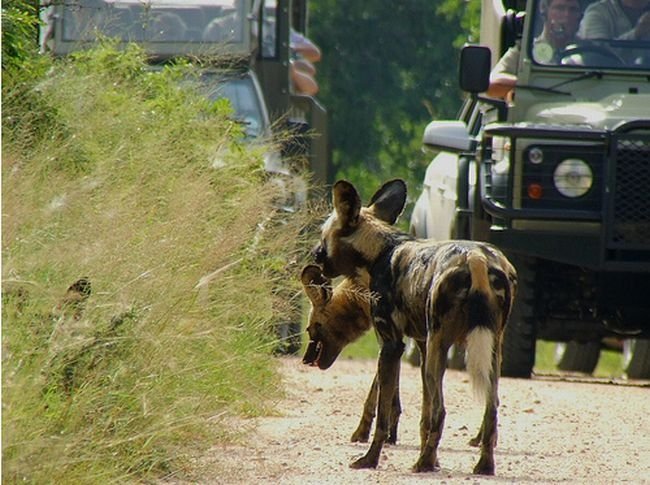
column 438, row 293
column 338, row 317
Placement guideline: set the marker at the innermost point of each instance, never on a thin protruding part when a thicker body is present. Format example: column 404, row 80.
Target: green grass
column 609, row 364
column 107, row 174
column 364, row 348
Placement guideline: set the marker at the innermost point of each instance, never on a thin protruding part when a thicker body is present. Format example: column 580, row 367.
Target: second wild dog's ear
column 388, row 202
column 317, row 287
column 347, row 202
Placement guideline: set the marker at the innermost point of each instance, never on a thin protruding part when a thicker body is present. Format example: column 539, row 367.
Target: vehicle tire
column 577, row 356
column 520, row 335
column 456, row 357
column 636, row 358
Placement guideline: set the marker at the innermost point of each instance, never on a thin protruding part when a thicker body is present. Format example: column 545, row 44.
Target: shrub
column 114, row 183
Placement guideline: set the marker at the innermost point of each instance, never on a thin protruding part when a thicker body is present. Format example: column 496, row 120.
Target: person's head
column 561, row 20
column 168, row 26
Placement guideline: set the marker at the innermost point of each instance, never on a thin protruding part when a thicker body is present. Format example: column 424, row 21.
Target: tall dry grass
column 107, row 175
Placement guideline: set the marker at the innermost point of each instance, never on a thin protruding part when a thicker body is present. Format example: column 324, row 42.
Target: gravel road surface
column 550, row 430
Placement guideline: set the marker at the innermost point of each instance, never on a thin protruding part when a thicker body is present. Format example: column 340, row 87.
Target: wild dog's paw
column 476, row 441
column 365, row 462
column 426, row 464
column 485, row 466
column 361, row 435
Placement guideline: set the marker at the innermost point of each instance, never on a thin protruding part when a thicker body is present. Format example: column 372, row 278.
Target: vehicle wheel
column 636, row 358
column 577, row 356
column 456, row 357
column 520, row 334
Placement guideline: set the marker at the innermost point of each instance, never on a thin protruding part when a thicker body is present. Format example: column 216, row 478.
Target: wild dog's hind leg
column 362, row 432
column 387, row 373
column 436, row 362
column 425, row 416
column 476, row 440
column 488, row 433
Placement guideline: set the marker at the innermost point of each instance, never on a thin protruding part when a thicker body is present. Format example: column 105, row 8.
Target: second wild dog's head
column 353, row 236
column 338, row 316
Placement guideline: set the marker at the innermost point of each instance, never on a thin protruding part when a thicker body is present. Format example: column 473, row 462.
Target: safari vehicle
column 250, row 38
column 558, row 178
column 244, row 49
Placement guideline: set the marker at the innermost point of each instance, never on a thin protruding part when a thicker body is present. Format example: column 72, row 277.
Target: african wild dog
column 338, row 317
column 438, row 293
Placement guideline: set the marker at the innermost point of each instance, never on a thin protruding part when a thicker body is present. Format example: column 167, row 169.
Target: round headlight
column 536, row 155
column 573, row 177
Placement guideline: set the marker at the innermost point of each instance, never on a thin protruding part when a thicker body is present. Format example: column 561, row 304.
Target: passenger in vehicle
column 227, row 27
column 167, row 26
column 561, row 22
column 303, row 72
column 617, row 19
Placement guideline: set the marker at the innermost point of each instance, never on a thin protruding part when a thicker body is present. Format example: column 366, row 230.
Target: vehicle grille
column 630, row 206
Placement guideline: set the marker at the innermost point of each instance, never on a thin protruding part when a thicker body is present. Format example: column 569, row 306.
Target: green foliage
column 190, row 269
column 468, row 14
column 19, row 31
column 388, row 68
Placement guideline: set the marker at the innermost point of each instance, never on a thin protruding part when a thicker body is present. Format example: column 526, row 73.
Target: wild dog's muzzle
column 321, row 351
column 319, row 253
column 313, row 352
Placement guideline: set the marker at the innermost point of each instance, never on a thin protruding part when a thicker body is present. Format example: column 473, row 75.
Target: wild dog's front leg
column 395, row 413
column 362, row 432
column 387, row 373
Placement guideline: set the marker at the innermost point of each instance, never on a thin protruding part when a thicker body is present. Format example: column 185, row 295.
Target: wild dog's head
column 338, row 316
column 353, row 235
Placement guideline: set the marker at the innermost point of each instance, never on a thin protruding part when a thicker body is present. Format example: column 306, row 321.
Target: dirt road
column 549, row 431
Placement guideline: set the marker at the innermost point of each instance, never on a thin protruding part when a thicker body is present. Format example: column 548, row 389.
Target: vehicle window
column 243, row 96
column 219, row 21
column 568, row 33
column 269, row 36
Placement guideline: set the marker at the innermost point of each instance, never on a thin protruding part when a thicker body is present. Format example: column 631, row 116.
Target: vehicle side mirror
column 451, row 136
column 475, row 65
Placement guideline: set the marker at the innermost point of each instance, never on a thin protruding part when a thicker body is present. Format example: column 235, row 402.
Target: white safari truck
column 558, row 176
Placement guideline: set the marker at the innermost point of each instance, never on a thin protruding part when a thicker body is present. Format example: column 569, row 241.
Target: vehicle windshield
column 600, row 34
column 193, row 21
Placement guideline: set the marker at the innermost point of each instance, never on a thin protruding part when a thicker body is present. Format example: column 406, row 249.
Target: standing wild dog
column 338, row 317
column 438, row 293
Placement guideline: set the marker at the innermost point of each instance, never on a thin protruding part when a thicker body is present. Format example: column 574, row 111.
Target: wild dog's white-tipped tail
column 478, row 360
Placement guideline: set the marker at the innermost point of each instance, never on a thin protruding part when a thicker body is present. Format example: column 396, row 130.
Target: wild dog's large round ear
column 317, row 287
column 388, row 202
column 347, row 202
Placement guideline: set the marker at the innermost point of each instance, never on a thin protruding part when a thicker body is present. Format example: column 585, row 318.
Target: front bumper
column 615, row 236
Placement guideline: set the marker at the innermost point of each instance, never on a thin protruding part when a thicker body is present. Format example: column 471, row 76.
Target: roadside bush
column 107, row 179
